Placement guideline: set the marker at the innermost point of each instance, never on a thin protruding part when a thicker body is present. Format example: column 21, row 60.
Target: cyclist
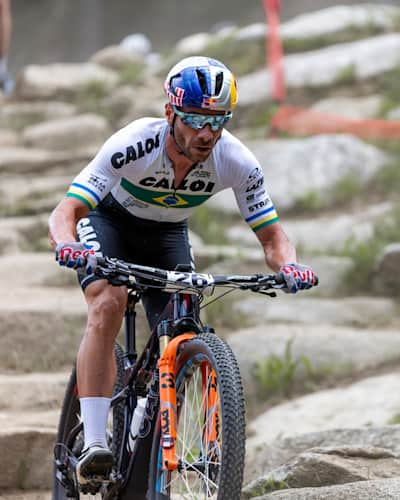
column 6, row 82
column 133, row 200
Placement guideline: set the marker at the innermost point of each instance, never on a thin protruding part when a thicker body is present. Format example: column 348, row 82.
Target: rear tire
column 70, row 417
column 209, row 470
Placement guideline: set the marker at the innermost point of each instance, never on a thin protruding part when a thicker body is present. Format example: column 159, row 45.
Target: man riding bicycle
column 132, row 201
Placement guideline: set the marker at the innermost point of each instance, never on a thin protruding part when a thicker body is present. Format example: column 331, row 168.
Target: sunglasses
column 198, row 121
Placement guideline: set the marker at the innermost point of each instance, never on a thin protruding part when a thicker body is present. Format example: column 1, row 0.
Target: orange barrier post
column 274, row 50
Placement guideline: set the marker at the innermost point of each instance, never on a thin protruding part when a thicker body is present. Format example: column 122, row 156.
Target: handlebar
column 135, row 276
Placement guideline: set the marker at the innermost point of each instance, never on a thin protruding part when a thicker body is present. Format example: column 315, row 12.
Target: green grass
column 346, row 76
column 309, row 203
column 279, row 375
column 343, row 193
column 365, row 253
column 395, row 420
column 388, row 179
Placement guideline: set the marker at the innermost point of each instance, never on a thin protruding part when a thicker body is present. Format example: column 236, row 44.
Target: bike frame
column 179, row 323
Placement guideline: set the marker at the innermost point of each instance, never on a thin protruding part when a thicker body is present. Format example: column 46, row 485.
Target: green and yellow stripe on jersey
column 84, row 194
column 263, row 219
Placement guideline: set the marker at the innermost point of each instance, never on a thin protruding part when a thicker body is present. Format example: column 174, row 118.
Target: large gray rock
column 324, row 67
column 386, row 277
column 380, row 489
column 362, row 312
column 351, row 107
column 28, row 460
column 40, row 195
column 370, row 402
column 19, row 115
column 8, row 138
column 46, row 391
column 294, row 168
column 74, row 133
column 340, row 18
column 316, row 352
column 320, row 24
column 55, row 80
column 267, row 457
column 116, row 57
column 327, row 466
column 310, row 233
column 19, row 160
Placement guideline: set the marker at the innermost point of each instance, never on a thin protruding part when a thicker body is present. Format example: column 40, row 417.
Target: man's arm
column 277, row 247
column 63, row 220
column 280, row 256
column 5, row 27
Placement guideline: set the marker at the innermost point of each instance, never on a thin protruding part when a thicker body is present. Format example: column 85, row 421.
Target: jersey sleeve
column 97, row 179
column 125, row 153
column 248, row 183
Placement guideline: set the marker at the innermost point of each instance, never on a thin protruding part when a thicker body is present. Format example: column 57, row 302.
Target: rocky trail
column 322, row 386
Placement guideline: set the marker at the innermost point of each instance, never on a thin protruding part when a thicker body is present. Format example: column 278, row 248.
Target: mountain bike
column 177, row 418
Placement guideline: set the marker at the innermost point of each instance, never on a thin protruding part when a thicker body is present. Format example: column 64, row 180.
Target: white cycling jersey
column 134, row 167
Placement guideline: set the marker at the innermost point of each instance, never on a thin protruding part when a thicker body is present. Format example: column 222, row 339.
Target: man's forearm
column 279, row 251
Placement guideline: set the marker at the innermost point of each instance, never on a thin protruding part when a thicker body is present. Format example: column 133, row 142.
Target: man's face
column 196, row 144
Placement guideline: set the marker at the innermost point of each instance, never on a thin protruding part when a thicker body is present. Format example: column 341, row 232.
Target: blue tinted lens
column 198, row 121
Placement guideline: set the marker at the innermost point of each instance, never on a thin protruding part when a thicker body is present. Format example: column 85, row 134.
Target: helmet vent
column 218, row 83
column 202, row 81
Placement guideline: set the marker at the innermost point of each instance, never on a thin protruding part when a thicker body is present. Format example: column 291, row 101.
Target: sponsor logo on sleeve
column 98, row 182
column 255, row 180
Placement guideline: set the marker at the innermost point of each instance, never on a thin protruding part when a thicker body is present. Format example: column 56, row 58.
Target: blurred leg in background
column 6, row 82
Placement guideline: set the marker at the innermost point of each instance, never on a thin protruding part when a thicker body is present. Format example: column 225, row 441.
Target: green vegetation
column 22, row 473
column 346, row 189
column 277, row 375
column 365, row 253
column 90, row 99
column 387, row 179
column 241, row 56
column 263, row 486
column 131, row 73
column 347, row 76
column 395, row 420
column 388, row 85
column 309, row 203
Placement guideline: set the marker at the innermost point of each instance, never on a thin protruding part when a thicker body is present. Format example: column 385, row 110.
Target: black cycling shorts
column 113, row 232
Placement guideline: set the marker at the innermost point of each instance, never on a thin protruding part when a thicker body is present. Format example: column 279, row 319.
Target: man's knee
column 106, row 303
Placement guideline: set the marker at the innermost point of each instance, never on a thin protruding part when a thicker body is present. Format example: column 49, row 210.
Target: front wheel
column 210, row 443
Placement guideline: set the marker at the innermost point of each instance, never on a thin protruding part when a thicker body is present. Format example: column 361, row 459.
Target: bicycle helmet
column 201, row 82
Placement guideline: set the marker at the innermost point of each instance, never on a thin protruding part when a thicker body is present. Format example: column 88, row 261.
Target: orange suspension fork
column 168, row 412
column 210, row 396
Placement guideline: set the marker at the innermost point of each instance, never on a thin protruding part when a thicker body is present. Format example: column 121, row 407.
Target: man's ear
column 169, row 113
